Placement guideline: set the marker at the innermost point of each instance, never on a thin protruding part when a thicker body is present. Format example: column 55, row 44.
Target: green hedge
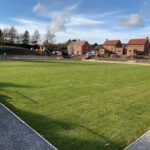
column 12, row 50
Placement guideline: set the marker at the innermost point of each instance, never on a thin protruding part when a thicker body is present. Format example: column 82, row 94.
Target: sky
column 91, row 20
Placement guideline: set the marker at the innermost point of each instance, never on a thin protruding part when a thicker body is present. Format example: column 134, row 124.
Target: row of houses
column 133, row 47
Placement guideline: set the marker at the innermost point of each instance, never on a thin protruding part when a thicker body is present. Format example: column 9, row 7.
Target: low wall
column 18, row 57
column 34, row 57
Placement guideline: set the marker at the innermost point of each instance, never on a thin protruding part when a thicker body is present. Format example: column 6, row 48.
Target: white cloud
column 40, row 9
column 133, row 20
column 92, row 35
column 58, row 23
column 62, row 20
column 137, row 19
column 58, row 20
column 3, row 26
column 99, row 35
column 30, row 24
column 72, row 7
column 85, row 20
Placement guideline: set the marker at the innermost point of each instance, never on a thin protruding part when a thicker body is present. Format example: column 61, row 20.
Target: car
column 89, row 55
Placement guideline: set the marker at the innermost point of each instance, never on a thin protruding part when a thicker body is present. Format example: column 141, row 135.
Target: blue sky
column 92, row 20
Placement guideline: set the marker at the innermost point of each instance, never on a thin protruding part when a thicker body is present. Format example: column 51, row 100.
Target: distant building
column 120, row 51
column 78, row 47
column 138, row 46
column 111, row 45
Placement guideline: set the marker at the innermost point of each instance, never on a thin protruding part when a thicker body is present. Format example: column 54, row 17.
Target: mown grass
column 79, row 105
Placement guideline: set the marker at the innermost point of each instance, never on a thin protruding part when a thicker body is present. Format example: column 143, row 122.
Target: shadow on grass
column 3, row 85
column 57, row 131
column 27, row 98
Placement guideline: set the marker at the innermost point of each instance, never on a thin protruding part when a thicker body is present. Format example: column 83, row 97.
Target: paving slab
column 143, row 143
column 15, row 134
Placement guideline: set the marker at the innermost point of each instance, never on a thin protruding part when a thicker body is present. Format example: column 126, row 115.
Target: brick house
column 120, row 51
column 78, row 47
column 111, row 45
column 138, row 45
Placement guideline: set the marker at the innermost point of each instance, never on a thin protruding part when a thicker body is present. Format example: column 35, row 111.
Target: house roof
column 137, row 41
column 112, row 42
column 77, row 43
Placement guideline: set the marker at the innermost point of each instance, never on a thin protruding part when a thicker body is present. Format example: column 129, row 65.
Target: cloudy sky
column 92, row 20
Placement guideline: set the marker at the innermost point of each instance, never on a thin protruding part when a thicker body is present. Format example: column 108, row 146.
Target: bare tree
column 5, row 35
column 49, row 38
column 36, row 37
column 19, row 39
column 1, row 36
column 12, row 35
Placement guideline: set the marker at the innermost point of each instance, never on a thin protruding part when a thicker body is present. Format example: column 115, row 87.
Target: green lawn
column 79, row 105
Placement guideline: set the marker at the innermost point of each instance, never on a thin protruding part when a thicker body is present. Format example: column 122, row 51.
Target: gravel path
column 143, row 143
column 118, row 62
column 17, row 135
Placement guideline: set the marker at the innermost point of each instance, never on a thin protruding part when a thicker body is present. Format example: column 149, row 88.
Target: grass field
column 79, row 105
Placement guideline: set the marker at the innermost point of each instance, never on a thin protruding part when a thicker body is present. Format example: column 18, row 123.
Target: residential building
column 138, row 46
column 78, row 47
column 111, row 45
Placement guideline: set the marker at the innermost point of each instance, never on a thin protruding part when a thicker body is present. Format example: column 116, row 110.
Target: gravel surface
column 17, row 135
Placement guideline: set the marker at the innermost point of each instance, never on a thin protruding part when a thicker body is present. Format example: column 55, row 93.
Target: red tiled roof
column 111, row 42
column 137, row 42
column 77, row 43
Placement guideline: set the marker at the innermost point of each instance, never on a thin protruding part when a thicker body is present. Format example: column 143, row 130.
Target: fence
column 22, row 57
